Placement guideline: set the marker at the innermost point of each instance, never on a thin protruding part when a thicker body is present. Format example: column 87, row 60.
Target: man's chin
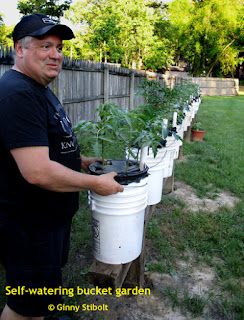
column 52, row 75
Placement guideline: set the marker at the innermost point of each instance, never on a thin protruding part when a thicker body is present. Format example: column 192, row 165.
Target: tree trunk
column 101, row 55
column 105, row 52
column 211, row 68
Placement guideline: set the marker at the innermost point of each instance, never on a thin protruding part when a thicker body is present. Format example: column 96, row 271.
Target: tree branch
column 211, row 68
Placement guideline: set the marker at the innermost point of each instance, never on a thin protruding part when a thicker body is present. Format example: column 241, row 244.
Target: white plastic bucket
column 165, row 156
column 180, row 133
column 172, row 153
column 156, row 166
column 169, row 162
column 184, row 124
column 187, row 119
column 196, row 105
column 156, row 174
column 173, row 144
column 118, row 223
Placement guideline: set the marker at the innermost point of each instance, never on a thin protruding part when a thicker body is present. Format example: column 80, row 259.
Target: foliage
column 160, row 55
column 208, row 34
column 205, row 36
column 85, row 132
column 103, row 37
column 197, row 126
column 154, row 92
column 6, row 35
column 121, row 32
column 115, row 126
column 132, row 130
column 78, row 48
column 163, row 101
column 51, row 8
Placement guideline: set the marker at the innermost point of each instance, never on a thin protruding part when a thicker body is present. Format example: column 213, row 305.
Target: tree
column 207, row 33
column 120, row 31
column 147, row 34
column 104, row 34
column 96, row 28
column 137, row 33
column 5, row 33
column 160, row 56
column 52, row 8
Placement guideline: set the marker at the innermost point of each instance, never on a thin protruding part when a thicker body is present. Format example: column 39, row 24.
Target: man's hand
column 86, row 161
column 106, row 185
column 36, row 168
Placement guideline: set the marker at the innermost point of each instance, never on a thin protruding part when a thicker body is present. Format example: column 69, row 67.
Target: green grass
column 215, row 239
column 218, row 163
column 193, row 304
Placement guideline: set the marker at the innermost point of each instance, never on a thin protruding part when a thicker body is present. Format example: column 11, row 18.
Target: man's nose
column 55, row 53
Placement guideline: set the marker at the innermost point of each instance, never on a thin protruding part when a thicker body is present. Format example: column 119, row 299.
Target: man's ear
column 18, row 49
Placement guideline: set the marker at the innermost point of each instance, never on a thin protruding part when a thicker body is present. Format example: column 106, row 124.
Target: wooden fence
column 210, row 86
column 82, row 86
column 218, row 86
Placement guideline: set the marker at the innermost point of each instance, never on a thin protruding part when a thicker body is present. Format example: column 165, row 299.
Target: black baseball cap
column 37, row 25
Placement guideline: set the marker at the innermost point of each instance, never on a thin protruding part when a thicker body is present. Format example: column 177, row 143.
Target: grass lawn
column 214, row 241
column 211, row 239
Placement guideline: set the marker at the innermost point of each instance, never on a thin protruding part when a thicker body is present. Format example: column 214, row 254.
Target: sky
column 10, row 13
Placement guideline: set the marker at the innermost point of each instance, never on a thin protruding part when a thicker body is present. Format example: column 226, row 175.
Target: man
column 39, row 179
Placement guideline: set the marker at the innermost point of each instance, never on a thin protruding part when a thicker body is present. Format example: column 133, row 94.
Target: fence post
column 105, row 84
column 132, row 89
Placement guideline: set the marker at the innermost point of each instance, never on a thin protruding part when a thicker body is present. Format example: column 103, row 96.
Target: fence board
column 82, row 85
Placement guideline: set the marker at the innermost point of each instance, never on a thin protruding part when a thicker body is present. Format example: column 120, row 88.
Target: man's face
column 42, row 59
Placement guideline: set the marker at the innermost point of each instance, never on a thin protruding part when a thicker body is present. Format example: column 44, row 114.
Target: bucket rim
column 133, row 174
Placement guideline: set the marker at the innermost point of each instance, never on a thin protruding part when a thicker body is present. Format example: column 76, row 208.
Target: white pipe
column 174, row 119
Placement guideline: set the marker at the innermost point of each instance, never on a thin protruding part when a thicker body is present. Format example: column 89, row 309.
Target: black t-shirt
column 31, row 115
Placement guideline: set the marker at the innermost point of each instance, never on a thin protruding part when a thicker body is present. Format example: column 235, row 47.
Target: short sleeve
column 23, row 121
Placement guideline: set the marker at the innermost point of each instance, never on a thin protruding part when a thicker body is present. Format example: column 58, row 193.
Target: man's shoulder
column 14, row 83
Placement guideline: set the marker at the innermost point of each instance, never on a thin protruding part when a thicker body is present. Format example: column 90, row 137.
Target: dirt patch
column 189, row 279
column 193, row 203
column 171, row 296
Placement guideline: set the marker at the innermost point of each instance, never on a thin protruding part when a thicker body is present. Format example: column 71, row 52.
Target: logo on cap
column 48, row 20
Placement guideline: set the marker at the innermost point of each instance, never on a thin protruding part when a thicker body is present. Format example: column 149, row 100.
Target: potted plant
column 153, row 154
column 118, row 219
column 197, row 131
column 120, row 137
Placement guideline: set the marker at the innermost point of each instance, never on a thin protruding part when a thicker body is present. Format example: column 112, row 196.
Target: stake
column 174, row 119
column 164, row 127
column 143, row 157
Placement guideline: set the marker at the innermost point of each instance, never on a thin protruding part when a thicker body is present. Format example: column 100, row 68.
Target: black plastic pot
column 127, row 171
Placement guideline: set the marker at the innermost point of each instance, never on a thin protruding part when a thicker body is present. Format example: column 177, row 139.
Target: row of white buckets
column 160, row 167
column 118, row 220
